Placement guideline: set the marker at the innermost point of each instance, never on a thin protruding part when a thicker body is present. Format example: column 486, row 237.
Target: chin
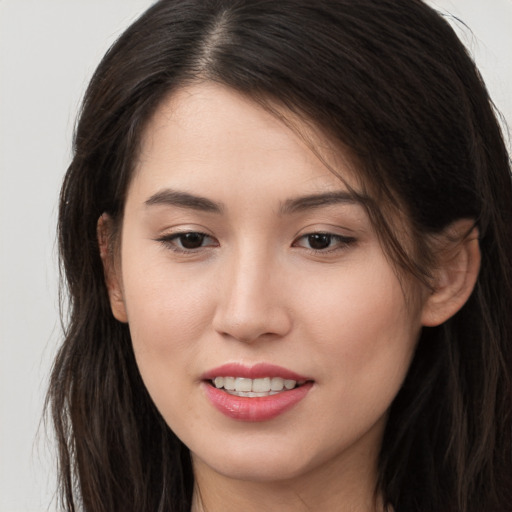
column 272, row 469
column 258, row 462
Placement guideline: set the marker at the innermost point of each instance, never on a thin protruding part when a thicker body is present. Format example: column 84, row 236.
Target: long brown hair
column 390, row 81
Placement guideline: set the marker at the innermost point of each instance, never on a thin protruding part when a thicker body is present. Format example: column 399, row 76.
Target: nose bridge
column 251, row 304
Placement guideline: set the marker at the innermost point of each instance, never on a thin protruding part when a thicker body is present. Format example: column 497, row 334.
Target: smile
column 258, row 392
column 254, row 388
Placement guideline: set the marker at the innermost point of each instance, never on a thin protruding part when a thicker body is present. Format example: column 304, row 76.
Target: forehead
column 210, row 131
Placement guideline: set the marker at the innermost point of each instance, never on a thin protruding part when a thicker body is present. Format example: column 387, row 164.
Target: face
column 269, row 326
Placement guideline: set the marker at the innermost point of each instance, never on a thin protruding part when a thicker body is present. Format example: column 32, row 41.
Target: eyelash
column 175, row 242
column 341, row 242
column 171, row 241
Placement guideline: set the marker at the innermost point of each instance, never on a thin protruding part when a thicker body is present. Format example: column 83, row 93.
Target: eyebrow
column 311, row 202
column 171, row 197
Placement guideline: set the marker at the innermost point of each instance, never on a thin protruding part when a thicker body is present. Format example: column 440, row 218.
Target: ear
column 111, row 267
column 458, row 263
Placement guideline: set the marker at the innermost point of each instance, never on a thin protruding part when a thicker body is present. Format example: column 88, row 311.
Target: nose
column 252, row 303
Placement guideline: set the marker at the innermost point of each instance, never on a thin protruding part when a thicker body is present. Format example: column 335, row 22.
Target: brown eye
column 319, row 241
column 191, row 240
column 323, row 242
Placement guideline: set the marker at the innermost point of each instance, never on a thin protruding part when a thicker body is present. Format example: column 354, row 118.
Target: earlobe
column 110, row 268
column 458, row 264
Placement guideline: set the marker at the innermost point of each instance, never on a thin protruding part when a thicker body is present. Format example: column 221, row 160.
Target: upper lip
column 257, row 371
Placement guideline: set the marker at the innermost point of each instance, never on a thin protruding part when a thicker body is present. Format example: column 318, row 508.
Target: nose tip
column 254, row 326
column 252, row 307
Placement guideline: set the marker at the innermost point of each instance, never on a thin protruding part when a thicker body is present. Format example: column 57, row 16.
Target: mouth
column 255, row 388
column 254, row 393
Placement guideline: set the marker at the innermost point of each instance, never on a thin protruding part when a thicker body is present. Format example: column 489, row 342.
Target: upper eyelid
column 341, row 242
column 176, row 233
column 183, row 229
column 327, row 229
column 343, row 238
column 330, row 232
column 298, row 235
column 170, row 242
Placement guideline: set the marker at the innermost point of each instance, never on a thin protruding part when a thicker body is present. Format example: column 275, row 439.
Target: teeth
column 254, row 387
column 289, row 384
column 261, row 385
column 242, row 384
column 277, row 384
column 229, row 383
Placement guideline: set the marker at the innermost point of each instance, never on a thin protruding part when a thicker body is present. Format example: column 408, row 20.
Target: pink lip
column 258, row 408
column 257, row 371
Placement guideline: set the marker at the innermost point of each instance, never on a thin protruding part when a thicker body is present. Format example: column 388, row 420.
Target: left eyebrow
column 318, row 201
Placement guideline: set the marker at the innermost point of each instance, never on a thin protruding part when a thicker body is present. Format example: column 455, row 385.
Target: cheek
column 364, row 323
column 362, row 333
column 168, row 316
column 165, row 306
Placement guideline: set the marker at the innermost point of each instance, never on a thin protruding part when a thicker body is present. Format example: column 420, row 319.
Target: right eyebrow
column 170, row 197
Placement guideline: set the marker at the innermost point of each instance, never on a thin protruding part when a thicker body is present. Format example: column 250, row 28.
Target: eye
column 189, row 241
column 323, row 242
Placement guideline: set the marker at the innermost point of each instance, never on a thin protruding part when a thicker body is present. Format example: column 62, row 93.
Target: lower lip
column 255, row 409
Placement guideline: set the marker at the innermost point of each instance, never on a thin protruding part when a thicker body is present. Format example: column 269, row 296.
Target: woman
column 286, row 236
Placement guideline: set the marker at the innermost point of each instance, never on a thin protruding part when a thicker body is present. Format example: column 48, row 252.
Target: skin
column 253, row 290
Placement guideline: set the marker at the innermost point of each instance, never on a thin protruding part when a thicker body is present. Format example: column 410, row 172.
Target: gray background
column 48, row 51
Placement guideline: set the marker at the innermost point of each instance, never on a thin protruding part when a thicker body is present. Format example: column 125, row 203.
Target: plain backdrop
column 48, row 51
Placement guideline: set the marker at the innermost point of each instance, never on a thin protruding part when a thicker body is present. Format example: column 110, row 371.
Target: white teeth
column 254, row 387
column 242, row 384
column 261, row 385
column 229, row 383
column 277, row 384
column 289, row 384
